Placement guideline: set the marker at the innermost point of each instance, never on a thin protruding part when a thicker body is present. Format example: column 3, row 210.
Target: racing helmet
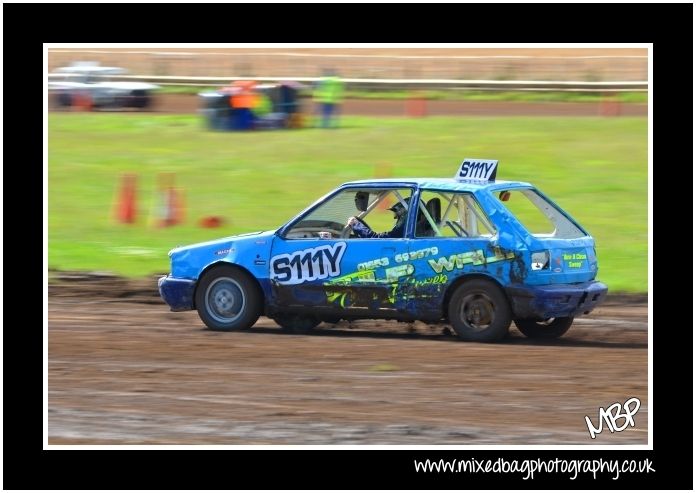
column 399, row 209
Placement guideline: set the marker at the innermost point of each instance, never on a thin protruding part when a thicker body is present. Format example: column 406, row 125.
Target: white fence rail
column 376, row 84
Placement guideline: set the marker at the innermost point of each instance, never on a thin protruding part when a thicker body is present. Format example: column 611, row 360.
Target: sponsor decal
column 575, row 260
column 436, row 279
column 373, row 264
column 398, row 258
column 308, row 265
column 459, row 260
column 394, row 273
column 416, row 254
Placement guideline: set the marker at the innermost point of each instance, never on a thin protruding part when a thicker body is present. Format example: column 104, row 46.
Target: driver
column 400, row 213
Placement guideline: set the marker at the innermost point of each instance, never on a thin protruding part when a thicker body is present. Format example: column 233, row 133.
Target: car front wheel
column 546, row 329
column 228, row 299
column 479, row 311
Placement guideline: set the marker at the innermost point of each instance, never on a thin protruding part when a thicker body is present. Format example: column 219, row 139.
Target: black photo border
column 327, row 23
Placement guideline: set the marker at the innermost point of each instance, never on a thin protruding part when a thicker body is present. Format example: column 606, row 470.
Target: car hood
column 189, row 260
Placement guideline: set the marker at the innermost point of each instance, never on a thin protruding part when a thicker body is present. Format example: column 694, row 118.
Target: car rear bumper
column 177, row 293
column 555, row 300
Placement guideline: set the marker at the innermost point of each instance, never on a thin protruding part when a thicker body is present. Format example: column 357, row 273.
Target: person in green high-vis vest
column 329, row 94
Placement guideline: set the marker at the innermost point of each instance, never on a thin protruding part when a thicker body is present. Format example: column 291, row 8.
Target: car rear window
column 539, row 217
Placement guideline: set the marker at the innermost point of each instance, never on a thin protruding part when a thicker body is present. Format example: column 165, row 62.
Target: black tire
column 143, row 102
column 479, row 311
column 552, row 328
column 228, row 299
column 64, row 99
column 140, row 99
column 293, row 322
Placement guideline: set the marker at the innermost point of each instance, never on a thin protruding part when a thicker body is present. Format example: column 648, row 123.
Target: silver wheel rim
column 225, row 300
column 477, row 311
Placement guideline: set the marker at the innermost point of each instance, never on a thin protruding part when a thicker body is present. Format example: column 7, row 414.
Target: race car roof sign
column 477, row 170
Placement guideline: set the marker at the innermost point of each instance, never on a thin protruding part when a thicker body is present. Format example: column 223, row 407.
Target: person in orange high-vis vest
column 243, row 100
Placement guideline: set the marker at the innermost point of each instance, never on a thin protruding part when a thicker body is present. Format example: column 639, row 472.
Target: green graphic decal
column 348, row 287
column 437, row 279
column 394, row 273
column 459, row 260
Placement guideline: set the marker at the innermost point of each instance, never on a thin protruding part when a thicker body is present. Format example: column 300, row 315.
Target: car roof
column 443, row 184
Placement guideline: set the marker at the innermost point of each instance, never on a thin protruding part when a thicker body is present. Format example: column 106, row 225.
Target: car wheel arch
column 222, row 263
column 469, row 277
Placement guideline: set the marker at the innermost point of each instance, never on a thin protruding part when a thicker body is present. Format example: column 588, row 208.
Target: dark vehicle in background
column 280, row 102
column 87, row 85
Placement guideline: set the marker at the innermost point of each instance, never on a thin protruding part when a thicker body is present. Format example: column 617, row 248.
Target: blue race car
column 471, row 251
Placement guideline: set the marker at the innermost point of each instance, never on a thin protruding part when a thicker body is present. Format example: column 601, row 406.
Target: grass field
column 596, row 168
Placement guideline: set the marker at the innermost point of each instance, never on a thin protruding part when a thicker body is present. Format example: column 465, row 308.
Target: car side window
column 371, row 207
column 452, row 215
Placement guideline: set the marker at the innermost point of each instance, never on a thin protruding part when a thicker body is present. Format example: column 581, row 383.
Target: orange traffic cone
column 609, row 105
column 125, row 207
column 416, row 105
column 172, row 211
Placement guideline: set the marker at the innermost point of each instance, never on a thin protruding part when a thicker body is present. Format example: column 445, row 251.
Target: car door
column 352, row 274
column 317, row 263
column 457, row 240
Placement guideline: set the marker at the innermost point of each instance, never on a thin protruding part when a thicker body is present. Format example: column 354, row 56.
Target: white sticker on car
column 308, row 265
column 477, row 170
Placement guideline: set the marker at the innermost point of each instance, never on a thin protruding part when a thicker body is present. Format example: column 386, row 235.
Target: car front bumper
column 177, row 293
column 555, row 300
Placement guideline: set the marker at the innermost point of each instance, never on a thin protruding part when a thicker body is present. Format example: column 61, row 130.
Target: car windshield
column 539, row 217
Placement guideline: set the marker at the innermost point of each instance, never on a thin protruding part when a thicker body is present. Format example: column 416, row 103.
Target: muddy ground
column 185, row 103
column 122, row 369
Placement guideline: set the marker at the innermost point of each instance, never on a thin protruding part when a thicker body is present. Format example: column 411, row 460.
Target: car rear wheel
column 545, row 329
column 228, row 299
column 296, row 322
column 479, row 311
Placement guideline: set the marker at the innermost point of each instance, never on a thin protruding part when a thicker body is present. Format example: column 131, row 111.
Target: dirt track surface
column 180, row 103
column 190, row 104
column 122, row 369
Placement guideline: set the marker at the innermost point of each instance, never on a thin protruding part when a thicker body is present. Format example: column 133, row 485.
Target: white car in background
column 88, row 84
